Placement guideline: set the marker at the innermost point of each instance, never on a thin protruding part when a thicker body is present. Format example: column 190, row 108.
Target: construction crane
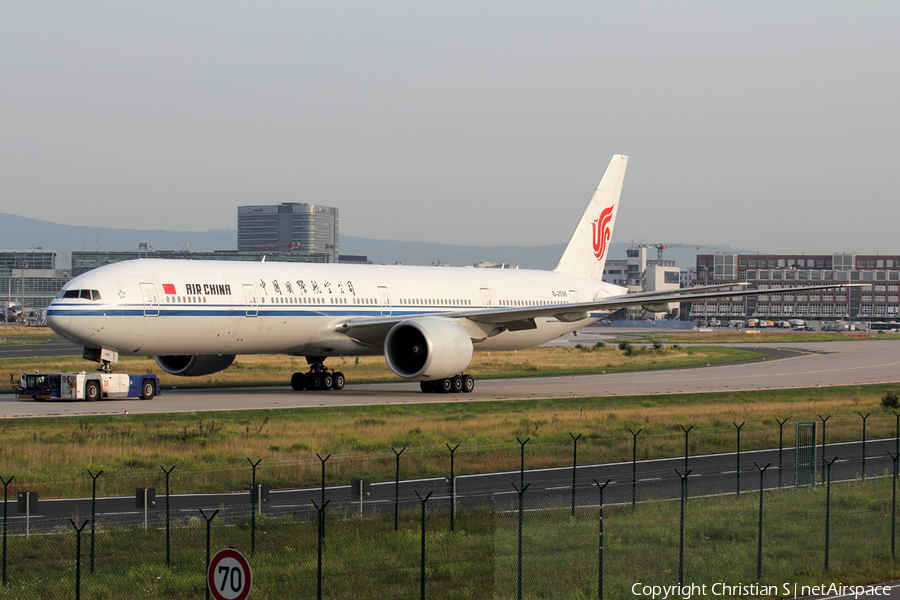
column 661, row 247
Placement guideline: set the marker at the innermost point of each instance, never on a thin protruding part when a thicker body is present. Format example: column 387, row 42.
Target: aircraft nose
column 59, row 323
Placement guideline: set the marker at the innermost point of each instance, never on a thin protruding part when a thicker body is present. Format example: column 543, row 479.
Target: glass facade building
column 289, row 227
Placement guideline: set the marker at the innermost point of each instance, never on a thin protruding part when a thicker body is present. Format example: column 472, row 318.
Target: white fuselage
column 171, row 307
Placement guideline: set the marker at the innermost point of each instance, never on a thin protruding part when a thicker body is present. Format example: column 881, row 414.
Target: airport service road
column 42, row 347
column 796, row 365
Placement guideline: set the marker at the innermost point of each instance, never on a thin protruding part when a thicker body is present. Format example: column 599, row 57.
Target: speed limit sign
column 229, row 576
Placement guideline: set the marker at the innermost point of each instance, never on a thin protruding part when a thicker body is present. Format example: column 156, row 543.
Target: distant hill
column 24, row 233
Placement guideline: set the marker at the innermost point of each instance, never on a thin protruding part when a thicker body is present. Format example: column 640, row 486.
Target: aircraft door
column 573, row 296
column 486, row 297
column 151, row 299
column 252, row 300
column 385, row 297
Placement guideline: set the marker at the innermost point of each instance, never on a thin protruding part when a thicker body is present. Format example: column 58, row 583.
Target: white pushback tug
column 87, row 386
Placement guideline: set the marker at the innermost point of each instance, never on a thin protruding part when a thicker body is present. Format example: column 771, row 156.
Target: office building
column 290, row 227
column 877, row 299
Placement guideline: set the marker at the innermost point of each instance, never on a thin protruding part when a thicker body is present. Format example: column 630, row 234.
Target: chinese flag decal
column 168, row 288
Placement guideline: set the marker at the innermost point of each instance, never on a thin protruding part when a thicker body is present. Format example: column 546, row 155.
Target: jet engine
column 194, row 365
column 428, row 348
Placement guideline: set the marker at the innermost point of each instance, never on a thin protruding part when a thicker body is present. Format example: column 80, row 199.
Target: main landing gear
column 318, row 378
column 451, row 385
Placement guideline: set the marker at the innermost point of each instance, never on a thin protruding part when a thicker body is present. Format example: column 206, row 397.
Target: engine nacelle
column 428, row 348
column 194, row 365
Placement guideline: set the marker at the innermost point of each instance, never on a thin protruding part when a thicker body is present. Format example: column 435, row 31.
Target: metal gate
column 151, row 300
column 805, row 453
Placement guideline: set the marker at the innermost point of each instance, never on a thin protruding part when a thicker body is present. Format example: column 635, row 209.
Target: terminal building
column 640, row 274
column 877, row 299
column 288, row 228
column 82, row 262
column 30, row 279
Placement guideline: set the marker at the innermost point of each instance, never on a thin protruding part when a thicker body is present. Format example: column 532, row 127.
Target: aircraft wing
column 514, row 318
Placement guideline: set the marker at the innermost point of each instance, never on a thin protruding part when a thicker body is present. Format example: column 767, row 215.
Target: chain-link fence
column 518, row 538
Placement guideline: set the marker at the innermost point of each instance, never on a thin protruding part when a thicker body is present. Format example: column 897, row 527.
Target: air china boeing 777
column 196, row 316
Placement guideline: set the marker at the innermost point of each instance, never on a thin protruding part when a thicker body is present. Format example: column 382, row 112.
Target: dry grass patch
column 210, row 450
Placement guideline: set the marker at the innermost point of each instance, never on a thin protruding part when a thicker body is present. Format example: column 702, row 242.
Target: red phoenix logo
column 601, row 232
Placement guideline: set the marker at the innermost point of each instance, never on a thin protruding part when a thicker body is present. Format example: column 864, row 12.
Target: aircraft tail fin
column 586, row 253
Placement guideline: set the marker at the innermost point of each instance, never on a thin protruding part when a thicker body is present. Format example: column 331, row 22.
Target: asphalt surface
column 794, row 365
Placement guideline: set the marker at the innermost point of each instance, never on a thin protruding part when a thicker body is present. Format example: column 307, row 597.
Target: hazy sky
column 765, row 125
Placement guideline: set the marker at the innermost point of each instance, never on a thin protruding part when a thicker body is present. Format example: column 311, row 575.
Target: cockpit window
column 84, row 294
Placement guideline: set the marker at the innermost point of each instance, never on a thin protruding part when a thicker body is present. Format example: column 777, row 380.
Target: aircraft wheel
column 313, row 381
column 298, row 381
column 456, row 384
column 468, row 384
column 92, row 391
column 327, row 381
column 445, row 386
column 148, row 389
column 339, row 381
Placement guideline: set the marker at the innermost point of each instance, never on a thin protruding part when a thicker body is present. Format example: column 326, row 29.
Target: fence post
column 762, row 473
column 894, row 458
column 452, row 486
column 574, row 467
column 823, row 440
column 321, row 512
column 397, row 487
column 422, row 564
column 634, row 435
column 521, row 493
column 78, row 556
column 253, row 503
column 208, row 527
column 738, row 471
column 6, row 483
column 522, row 463
column 681, row 526
column 93, row 512
column 168, row 555
column 686, row 432
column 897, row 433
column 828, row 508
column 864, row 443
column 600, row 557
column 322, row 521
column 780, row 445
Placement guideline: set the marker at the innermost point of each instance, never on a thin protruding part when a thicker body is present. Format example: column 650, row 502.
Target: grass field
column 756, row 336
column 210, row 449
column 366, row 558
